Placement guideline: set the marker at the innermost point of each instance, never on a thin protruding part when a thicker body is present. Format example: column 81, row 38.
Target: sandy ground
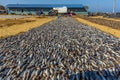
column 10, row 22
column 101, row 17
column 12, row 16
column 17, row 28
column 106, row 29
column 110, row 23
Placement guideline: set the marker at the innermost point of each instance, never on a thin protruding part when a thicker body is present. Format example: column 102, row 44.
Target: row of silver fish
column 62, row 49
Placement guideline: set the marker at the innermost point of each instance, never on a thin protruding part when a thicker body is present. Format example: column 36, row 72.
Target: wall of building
column 26, row 11
column 32, row 11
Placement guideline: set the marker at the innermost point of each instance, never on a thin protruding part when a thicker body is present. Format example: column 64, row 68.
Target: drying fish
column 63, row 49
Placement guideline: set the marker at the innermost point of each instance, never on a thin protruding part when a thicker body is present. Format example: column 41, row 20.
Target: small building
column 61, row 10
column 2, row 9
column 33, row 8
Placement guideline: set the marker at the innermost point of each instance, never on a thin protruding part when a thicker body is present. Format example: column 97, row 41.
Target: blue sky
column 94, row 5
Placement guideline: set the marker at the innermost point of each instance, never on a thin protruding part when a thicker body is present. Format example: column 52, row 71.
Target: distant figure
column 70, row 13
column 40, row 12
column 58, row 16
column 22, row 10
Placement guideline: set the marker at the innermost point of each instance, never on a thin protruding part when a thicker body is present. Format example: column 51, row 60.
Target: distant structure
column 61, row 9
column 2, row 9
column 114, row 7
column 33, row 8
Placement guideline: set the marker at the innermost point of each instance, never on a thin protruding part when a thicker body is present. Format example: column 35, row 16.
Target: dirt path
column 19, row 28
column 106, row 29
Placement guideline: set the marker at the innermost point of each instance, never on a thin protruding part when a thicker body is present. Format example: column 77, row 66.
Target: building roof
column 43, row 5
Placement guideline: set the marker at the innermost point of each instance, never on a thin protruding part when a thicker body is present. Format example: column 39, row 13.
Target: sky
column 94, row 5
